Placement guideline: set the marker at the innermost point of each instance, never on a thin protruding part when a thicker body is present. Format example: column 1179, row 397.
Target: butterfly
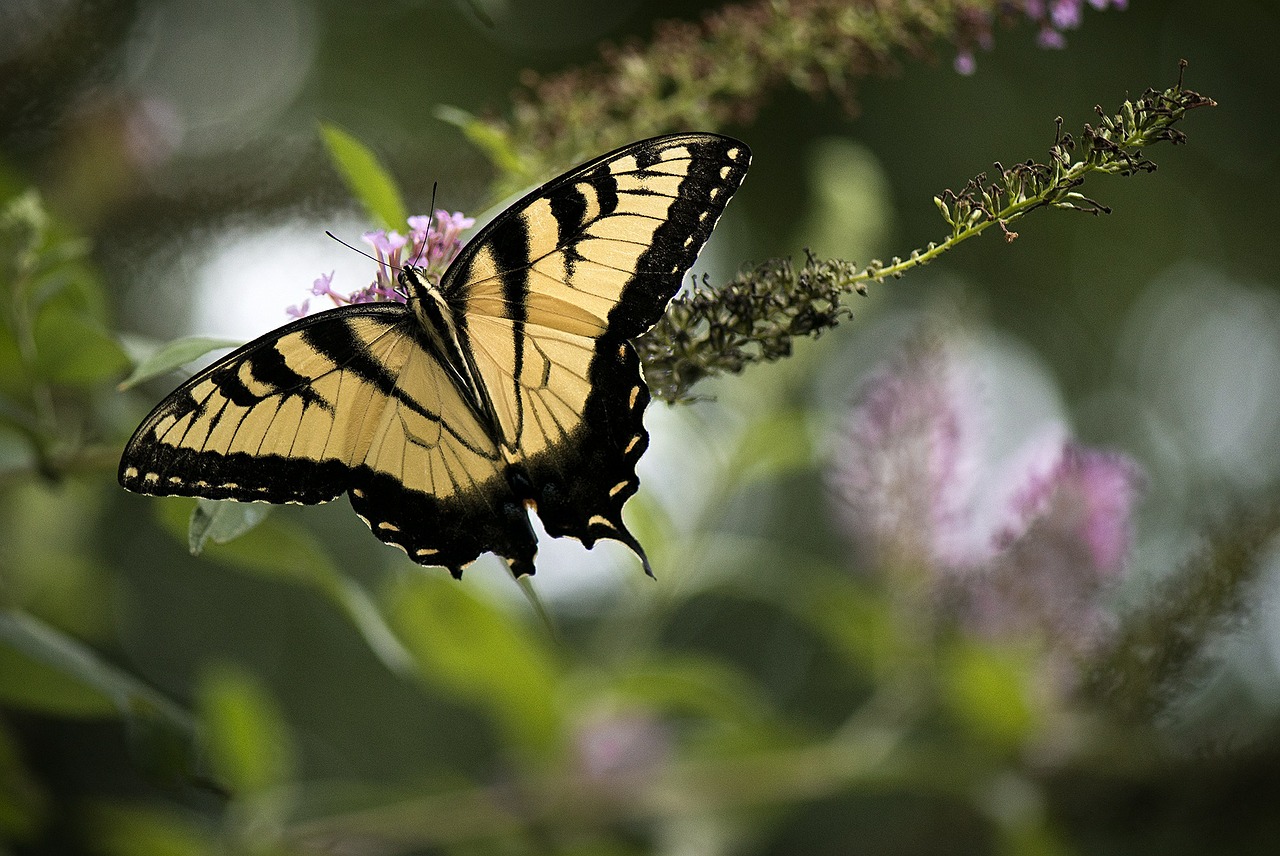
column 509, row 386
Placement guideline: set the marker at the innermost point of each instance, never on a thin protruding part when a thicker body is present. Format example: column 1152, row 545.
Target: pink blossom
column 432, row 244
column 909, row 485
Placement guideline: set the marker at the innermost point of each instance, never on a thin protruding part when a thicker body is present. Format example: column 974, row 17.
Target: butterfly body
column 509, row 386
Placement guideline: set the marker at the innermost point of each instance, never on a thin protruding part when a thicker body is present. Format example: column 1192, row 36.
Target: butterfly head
column 415, row 284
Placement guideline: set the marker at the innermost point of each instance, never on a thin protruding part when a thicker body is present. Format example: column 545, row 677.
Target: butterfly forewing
column 343, row 400
column 552, row 291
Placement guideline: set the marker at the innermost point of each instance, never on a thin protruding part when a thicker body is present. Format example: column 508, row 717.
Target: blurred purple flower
column 618, row 751
column 432, row 244
column 974, row 26
column 910, row 486
column 902, row 472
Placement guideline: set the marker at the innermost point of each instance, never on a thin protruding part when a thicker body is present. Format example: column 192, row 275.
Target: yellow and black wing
column 549, row 295
column 444, row 429
column 349, row 400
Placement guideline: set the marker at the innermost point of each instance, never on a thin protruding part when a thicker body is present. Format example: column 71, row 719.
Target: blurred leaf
column 693, row 685
column 41, row 669
column 134, row 830
column 990, row 689
column 71, row 349
column 23, row 804
column 272, row 549
column 477, row 9
column 495, row 144
column 222, row 521
column 175, row 354
column 277, row 549
column 366, row 177
column 856, row 623
column 471, row 649
column 778, row 443
column 250, row 749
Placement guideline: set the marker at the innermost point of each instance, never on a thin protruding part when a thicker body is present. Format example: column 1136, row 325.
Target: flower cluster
column 432, row 244
column 720, row 69
column 1052, row 17
column 1024, row 553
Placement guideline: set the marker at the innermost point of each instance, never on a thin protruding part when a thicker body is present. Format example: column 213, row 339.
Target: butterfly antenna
column 349, row 247
column 431, row 216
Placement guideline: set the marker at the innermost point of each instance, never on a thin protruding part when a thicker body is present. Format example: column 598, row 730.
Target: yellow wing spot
column 263, row 489
column 734, row 153
column 617, row 488
column 151, row 478
column 600, row 520
column 688, row 242
column 631, row 445
column 231, row 485
column 724, row 172
column 704, row 215
column 635, row 395
column 388, row 527
column 202, row 483
column 131, row 473
column 715, row 191
column 175, row 480
column 357, row 493
column 426, row 551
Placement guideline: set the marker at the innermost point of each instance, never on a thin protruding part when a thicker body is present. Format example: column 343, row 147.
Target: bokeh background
column 330, row 697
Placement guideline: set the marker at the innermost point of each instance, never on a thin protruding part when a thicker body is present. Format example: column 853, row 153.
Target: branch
column 756, row 316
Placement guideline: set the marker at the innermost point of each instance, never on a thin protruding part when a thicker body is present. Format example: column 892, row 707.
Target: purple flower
column 1050, row 39
column 911, row 490
column 322, row 284
column 620, row 751
column 299, row 310
column 974, row 26
column 903, row 471
column 432, row 243
column 1066, row 14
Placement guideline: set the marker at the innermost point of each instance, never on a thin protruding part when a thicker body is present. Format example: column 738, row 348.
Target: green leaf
column 856, row 623
column 991, row 689
column 467, row 647
column 694, row 685
column 42, row 669
column 222, row 521
column 72, row 350
column 279, row 550
column 249, row 745
column 495, row 144
column 135, row 830
column 24, row 806
column 366, row 177
column 173, row 355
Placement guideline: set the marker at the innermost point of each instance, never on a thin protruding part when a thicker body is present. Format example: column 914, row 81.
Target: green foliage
column 475, row 652
column 173, row 355
column 766, row 678
column 366, row 177
column 250, row 748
